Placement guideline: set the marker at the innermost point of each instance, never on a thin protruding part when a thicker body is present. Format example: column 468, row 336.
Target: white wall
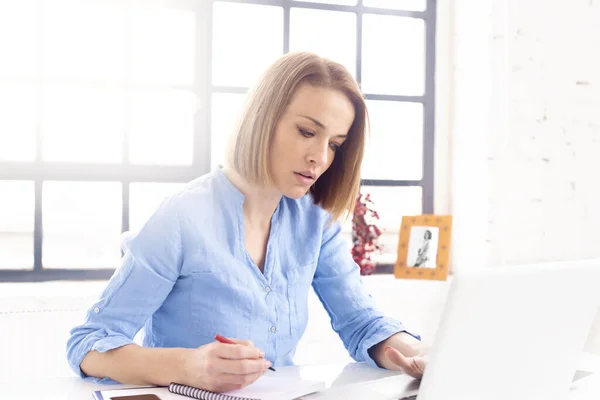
column 524, row 132
column 467, row 87
column 545, row 194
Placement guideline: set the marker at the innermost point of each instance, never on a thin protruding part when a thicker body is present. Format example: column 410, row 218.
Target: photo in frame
column 424, row 247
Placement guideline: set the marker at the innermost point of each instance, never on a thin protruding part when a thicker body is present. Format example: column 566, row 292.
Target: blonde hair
column 337, row 188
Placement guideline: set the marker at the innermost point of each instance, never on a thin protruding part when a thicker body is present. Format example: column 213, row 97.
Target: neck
column 260, row 202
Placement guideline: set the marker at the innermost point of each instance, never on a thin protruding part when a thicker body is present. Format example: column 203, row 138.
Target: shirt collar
column 225, row 184
column 234, row 193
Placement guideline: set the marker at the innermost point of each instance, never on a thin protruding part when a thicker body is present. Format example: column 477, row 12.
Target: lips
column 307, row 174
column 307, row 179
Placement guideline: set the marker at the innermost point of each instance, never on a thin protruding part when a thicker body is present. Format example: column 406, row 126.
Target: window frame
column 126, row 173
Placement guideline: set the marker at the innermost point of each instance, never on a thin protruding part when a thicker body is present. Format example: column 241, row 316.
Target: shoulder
column 200, row 188
column 195, row 203
column 201, row 193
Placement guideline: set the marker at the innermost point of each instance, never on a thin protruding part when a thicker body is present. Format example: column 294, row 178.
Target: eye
column 334, row 146
column 305, row 133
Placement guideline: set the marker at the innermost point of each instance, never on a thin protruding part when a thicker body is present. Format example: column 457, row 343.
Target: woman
column 237, row 250
column 423, row 251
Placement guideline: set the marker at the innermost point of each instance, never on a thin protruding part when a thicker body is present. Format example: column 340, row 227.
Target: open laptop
column 512, row 332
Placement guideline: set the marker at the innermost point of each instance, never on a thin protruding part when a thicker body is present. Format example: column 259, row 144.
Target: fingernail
column 387, row 347
column 261, row 354
column 268, row 363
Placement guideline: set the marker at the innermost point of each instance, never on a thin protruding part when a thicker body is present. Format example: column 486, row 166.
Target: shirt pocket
column 299, row 283
column 220, row 305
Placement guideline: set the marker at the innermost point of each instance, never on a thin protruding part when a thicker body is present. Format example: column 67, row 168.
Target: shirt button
column 273, row 329
column 96, row 310
column 268, row 289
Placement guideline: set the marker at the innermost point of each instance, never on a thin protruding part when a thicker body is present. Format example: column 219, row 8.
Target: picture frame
column 424, row 247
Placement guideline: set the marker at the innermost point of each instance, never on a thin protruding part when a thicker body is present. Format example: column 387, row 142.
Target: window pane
column 163, row 46
column 330, row 34
column 225, row 109
column 82, row 124
column 17, row 122
column 243, row 47
column 84, row 39
column 392, row 203
column 17, row 209
column 339, row 2
column 162, row 126
column 18, row 31
column 144, row 199
column 82, row 224
column 409, row 5
column 398, row 68
column 395, row 146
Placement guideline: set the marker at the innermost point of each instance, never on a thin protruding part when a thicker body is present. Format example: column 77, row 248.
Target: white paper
column 267, row 387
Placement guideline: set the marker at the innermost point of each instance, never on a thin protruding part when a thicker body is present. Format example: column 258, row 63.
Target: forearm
column 136, row 365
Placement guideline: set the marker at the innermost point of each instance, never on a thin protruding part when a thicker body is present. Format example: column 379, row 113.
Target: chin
column 295, row 193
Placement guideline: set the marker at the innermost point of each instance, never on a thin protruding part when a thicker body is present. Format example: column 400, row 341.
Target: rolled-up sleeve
column 340, row 288
column 149, row 268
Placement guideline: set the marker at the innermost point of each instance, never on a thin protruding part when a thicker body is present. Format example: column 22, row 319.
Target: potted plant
column 365, row 234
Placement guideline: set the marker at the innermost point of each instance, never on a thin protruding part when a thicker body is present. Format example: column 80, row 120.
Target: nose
column 319, row 154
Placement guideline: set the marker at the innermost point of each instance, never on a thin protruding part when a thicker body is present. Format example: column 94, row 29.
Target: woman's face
column 312, row 128
column 427, row 235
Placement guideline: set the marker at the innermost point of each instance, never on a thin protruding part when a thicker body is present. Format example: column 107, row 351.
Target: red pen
column 223, row 339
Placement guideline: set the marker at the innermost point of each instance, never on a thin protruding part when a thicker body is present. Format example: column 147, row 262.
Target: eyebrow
column 320, row 125
column 317, row 122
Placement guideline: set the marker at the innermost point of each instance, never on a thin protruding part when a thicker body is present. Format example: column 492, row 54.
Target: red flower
column 365, row 234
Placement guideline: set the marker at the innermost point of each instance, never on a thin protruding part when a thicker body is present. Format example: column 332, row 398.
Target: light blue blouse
column 186, row 276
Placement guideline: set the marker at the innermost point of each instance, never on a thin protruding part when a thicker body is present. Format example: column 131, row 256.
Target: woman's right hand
column 220, row 367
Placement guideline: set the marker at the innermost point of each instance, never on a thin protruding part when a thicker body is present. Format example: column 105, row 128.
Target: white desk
column 348, row 381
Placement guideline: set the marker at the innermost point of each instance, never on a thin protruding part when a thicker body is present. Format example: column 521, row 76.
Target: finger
column 420, row 364
column 243, row 342
column 243, row 367
column 237, row 351
column 401, row 362
column 398, row 359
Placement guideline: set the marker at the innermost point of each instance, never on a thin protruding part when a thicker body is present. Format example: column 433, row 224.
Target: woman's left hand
column 402, row 352
column 413, row 366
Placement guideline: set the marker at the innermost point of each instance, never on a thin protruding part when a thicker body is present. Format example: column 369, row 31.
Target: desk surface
column 349, row 381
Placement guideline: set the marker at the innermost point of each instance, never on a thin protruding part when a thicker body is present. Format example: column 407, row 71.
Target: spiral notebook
column 265, row 388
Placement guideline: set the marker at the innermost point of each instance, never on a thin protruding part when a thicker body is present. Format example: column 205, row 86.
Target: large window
column 108, row 106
